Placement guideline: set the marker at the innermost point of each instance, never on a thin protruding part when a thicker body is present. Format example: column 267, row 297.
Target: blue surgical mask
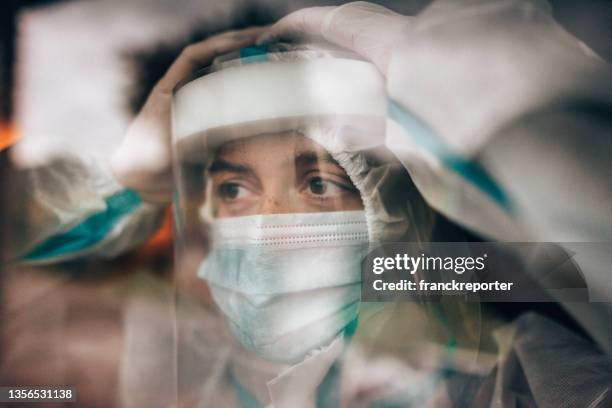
column 288, row 284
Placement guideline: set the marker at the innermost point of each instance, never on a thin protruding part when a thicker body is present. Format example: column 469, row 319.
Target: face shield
column 283, row 185
column 263, row 144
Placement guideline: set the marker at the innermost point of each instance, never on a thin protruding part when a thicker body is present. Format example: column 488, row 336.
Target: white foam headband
column 278, row 89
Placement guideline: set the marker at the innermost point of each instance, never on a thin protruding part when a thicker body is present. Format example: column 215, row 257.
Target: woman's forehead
column 289, row 143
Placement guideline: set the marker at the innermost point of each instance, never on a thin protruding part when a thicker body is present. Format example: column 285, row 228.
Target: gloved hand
column 499, row 115
column 462, row 79
column 143, row 160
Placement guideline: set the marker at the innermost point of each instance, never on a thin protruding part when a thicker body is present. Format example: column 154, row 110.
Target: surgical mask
column 288, row 284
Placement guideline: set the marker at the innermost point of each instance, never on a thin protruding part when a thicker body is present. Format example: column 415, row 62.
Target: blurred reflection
column 273, row 217
column 290, row 206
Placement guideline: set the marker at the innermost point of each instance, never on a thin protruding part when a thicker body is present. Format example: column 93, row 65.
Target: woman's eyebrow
column 310, row 157
column 219, row 165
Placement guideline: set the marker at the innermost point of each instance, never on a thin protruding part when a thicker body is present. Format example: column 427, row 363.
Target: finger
column 299, row 24
column 365, row 28
column 198, row 55
column 338, row 25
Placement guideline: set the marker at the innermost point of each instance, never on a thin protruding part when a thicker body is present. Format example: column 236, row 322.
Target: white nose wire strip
column 278, row 89
column 287, row 230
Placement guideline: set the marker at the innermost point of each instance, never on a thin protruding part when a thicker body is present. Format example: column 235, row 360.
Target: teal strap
column 89, row 232
column 254, row 53
column 469, row 170
column 351, row 328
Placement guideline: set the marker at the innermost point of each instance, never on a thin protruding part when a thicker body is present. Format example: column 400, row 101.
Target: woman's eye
column 325, row 188
column 231, row 191
column 317, row 185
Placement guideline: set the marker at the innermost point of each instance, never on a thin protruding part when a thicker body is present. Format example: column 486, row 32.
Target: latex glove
column 143, row 160
column 464, row 68
column 365, row 28
column 466, row 75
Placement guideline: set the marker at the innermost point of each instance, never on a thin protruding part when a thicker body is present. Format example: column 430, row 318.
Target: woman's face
column 278, row 173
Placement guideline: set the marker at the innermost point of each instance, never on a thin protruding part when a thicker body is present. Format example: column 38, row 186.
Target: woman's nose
column 275, row 204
